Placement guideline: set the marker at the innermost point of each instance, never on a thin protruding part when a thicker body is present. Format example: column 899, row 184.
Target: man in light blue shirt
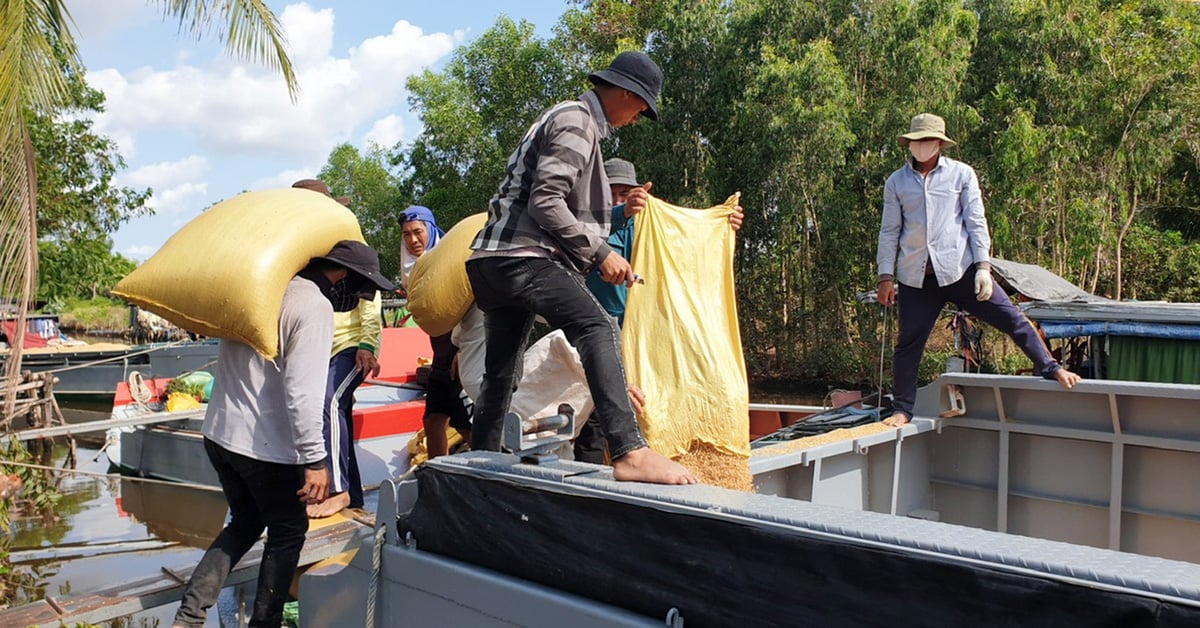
column 934, row 240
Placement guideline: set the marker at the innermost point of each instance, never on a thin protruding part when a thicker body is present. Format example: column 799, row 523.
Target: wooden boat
column 89, row 373
column 1031, row 505
column 385, row 418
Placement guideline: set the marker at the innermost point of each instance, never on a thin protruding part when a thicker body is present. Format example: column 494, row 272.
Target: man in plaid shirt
column 547, row 227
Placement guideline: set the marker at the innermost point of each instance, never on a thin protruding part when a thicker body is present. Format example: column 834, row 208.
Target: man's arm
column 371, row 335
column 971, row 205
column 889, row 243
column 568, row 143
column 889, row 232
column 306, row 333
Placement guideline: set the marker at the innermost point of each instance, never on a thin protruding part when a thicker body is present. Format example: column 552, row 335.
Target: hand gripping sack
column 439, row 292
column 224, row 273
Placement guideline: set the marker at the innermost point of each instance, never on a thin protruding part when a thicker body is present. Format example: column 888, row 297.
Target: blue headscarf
column 417, row 212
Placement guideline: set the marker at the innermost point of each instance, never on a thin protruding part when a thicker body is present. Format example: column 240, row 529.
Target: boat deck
column 326, row 538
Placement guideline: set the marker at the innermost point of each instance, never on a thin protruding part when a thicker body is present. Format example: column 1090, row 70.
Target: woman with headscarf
column 443, row 398
column 420, row 232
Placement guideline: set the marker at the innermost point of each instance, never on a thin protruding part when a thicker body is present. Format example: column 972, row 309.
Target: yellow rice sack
column 681, row 340
column 439, row 293
column 224, row 273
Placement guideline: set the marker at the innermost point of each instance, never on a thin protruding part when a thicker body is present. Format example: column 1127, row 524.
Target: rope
column 883, row 313
column 96, row 474
column 376, row 564
column 116, row 357
column 138, row 390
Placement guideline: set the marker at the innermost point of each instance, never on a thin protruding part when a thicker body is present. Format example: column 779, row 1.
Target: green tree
column 38, row 44
column 79, row 206
column 475, row 112
column 376, row 197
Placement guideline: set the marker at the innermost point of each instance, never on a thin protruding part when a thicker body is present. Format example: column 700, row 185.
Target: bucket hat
column 636, row 72
column 319, row 186
column 362, row 260
column 925, row 126
column 620, row 172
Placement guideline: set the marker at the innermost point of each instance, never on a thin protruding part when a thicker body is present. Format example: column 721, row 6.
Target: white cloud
column 179, row 186
column 231, row 108
column 309, row 33
column 285, row 178
column 386, row 131
column 139, row 252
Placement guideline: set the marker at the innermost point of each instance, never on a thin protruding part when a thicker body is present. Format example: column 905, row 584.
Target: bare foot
column 1066, row 378
column 647, row 465
column 898, row 419
column 329, row 507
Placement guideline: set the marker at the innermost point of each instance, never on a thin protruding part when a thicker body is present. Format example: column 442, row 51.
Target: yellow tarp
column 224, row 273
column 439, row 292
column 681, row 338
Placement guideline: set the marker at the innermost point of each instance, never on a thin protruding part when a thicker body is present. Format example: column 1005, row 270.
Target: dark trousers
column 260, row 494
column 511, row 291
column 919, row 309
column 444, row 393
column 589, row 445
column 343, row 379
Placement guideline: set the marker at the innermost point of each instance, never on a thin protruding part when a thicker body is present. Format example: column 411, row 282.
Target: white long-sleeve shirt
column 938, row 218
column 271, row 410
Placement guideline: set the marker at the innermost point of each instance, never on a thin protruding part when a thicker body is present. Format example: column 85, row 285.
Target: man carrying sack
column 262, row 432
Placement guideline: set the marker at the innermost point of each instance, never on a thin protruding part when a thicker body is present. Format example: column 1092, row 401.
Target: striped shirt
column 554, row 198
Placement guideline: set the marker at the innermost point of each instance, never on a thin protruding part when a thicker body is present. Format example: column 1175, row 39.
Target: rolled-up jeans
column 511, row 291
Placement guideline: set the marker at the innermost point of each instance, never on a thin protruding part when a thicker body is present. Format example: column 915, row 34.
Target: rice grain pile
column 822, row 439
column 718, row 468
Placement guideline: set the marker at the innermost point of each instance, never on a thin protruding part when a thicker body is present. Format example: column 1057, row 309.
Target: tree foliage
column 376, row 197
column 475, row 112
column 79, row 205
column 1079, row 116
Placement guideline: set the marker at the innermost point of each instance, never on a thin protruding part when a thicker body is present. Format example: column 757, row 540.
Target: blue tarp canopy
column 1073, row 329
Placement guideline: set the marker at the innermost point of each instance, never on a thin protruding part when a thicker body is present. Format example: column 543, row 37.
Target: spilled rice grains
column 822, row 439
column 718, row 468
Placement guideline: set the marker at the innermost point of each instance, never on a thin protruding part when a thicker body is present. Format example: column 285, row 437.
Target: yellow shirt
column 361, row 327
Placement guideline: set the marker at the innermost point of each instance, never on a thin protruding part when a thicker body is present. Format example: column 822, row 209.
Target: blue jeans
column 511, row 291
column 338, row 428
column 919, row 309
column 260, row 495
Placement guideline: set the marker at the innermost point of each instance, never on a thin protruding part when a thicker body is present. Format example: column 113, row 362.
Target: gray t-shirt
column 272, row 410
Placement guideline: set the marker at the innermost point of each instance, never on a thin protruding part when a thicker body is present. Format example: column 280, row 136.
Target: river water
column 115, row 529
column 118, row 515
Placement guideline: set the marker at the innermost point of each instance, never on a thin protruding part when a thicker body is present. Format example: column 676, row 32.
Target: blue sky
column 198, row 127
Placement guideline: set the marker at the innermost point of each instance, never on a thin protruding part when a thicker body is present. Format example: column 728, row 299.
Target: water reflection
column 174, row 513
column 113, row 510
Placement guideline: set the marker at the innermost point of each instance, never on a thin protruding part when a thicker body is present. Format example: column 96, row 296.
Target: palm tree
column 37, row 54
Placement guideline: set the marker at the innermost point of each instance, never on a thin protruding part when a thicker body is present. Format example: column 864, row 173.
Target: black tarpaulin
column 721, row 570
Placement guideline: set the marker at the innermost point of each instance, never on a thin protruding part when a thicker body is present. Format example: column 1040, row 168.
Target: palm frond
column 35, row 43
column 250, row 29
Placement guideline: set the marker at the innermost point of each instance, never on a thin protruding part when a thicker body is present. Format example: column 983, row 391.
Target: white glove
column 983, row 284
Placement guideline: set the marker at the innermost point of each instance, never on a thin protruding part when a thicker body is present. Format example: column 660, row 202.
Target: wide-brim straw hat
column 926, row 126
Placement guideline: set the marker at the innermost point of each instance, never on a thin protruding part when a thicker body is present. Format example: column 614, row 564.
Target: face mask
column 343, row 295
column 924, row 150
